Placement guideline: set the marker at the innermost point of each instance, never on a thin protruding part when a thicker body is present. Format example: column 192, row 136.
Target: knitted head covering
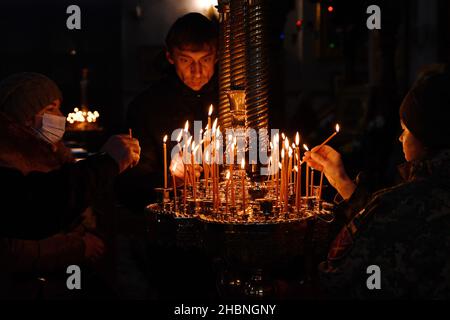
column 23, row 95
column 425, row 111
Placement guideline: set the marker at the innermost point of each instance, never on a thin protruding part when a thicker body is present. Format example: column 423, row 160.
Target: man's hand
column 177, row 163
column 326, row 159
column 124, row 150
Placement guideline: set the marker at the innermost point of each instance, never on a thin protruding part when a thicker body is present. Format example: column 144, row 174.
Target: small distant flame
column 228, row 175
column 165, row 138
column 297, row 139
column 337, row 128
column 186, row 126
column 305, row 147
column 243, row 163
column 82, row 116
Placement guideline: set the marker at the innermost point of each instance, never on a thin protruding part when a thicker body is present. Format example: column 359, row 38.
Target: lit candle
column 331, row 137
column 174, row 167
column 286, row 174
column 186, row 129
column 282, row 167
column 213, row 161
column 233, row 190
column 209, row 116
column 307, row 174
column 243, row 185
column 226, row 191
column 276, row 144
column 286, row 204
column 165, row 166
column 207, row 157
column 194, row 184
column 298, row 190
column 217, row 171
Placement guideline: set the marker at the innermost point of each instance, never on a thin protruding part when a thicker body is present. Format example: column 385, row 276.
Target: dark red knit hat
column 23, row 95
column 425, row 111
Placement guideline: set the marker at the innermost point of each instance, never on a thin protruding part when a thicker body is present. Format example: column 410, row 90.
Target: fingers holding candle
column 328, row 160
column 337, row 128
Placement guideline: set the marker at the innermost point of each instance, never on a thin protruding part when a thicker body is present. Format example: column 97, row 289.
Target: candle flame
column 337, row 127
column 196, row 148
column 186, row 126
column 165, row 138
column 305, row 147
column 280, row 165
column 179, row 136
column 297, row 139
column 282, row 153
column 243, row 163
column 286, row 143
column 295, row 168
column 210, row 110
column 283, row 136
column 228, row 175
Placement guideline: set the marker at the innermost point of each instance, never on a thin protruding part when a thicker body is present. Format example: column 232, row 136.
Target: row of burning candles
column 289, row 165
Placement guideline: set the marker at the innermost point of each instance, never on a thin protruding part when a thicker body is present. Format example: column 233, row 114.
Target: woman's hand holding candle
column 326, row 159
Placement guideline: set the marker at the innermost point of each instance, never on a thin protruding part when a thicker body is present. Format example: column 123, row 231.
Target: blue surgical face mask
column 53, row 127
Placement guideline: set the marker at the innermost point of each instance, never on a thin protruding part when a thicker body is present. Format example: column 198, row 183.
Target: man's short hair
column 192, row 30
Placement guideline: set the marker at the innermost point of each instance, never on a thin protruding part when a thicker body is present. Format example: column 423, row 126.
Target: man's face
column 194, row 68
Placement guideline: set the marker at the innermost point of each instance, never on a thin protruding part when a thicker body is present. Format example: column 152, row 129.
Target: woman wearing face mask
column 404, row 230
column 31, row 129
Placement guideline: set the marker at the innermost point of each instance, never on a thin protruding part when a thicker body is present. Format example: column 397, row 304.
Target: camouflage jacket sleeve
column 346, row 210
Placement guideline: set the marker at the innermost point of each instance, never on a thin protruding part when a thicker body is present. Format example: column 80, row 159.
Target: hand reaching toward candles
column 177, row 163
column 124, row 150
column 326, row 159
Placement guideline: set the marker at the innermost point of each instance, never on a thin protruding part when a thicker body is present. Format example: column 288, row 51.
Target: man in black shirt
column 185, row 93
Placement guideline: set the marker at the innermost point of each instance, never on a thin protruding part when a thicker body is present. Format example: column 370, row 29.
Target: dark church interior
column 302, row 66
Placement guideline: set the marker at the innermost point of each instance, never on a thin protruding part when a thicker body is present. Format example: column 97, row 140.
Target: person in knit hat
column 25, row 146
column 23, row 95
column 402, row 231
column 24, row 99
column 425, row 111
